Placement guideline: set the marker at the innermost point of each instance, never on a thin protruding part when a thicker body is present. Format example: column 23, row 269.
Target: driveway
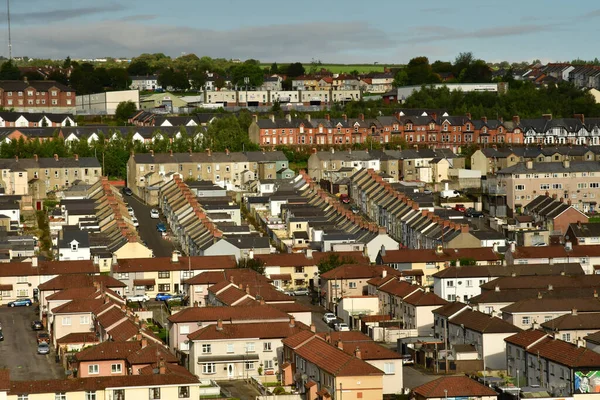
column 147, row 228
column 238, row 389
column 18, row 351
column 413, row 377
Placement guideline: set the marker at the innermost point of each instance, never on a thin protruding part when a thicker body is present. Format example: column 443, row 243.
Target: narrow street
column 147, row 228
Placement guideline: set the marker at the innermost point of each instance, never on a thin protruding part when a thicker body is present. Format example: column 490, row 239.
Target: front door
column 230, row 371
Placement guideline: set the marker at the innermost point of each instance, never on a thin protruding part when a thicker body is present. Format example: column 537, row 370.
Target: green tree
column 33, row 76
column 9, row 71
column 138, row 68
column 333, row 261
column 125, row 109
column 220, row 83
column 274, row 68
column 198, row 78
column 419, row 72
column 295, row 69
column 254, row 264
column 228, row 133
column 249, row 70
column 58, row 76
column 400, row 79
column 67, row 63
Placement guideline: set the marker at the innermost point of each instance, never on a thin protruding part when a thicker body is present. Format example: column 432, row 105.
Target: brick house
column 41, row 96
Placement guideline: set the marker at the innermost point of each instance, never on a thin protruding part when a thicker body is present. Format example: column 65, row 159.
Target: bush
column 279, row 390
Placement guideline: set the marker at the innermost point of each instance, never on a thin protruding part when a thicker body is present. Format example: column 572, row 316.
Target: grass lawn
column 594, row 219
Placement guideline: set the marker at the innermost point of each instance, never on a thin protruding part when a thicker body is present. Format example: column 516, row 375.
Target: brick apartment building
column 37, row 96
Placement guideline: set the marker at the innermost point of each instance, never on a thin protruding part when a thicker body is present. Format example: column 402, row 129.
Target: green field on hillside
column 347, row 68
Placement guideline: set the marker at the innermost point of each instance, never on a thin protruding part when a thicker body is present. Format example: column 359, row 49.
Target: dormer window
column 74, row 246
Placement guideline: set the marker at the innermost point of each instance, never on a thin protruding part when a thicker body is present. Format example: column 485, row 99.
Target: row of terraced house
column 424, row 128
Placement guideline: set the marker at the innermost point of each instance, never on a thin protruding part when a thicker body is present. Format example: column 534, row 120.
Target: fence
column 390, row 335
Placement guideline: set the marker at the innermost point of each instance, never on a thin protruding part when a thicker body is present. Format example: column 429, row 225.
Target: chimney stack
column 161, row 367
column 56, row 157
column 339, row 344
column 219, row 325
column 516, row 120
column 313, row 328
column 357, row 353
column 292, row 322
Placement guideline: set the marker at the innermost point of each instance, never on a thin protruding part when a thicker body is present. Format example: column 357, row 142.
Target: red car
column 460, row 207
column 344, row 198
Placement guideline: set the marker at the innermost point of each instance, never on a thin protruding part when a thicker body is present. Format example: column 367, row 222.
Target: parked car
column 127, row 191
column 135, row 222
column 177, row 297
column 344, row 198
column 20, row 303
column 154, row 213
column 163, row 296
column 43, row 337
column 43, row 348
column 1, row 336
column 37, row 325
column 301, row 292
column 138, row 297
column 407, row 359
column 472, row 213
column 328, row 317
column 162, row 228
column 342, row 327
column 460, row 207
column 130, row 211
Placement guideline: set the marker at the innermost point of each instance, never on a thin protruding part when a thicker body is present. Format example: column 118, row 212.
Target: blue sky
column 347, row 31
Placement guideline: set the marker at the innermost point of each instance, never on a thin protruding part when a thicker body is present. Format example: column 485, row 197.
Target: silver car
column 43, row 348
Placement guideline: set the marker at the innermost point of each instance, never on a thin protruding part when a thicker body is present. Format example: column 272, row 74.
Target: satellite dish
column 155, row 371
column 304, row 377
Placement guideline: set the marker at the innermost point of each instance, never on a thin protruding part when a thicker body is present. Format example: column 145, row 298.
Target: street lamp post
column 445, row 394
column 518, row 386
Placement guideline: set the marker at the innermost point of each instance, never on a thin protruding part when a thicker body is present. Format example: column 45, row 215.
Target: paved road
column 317, row 313
column 147, row 228
column 18, row 351
column 413, row 377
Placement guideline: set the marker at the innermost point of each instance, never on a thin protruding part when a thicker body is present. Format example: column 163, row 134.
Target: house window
column 450, row 284
column 184, row 392
column 249, row 365
column 66, row 321
column 119, row 394
column 60, row 396
column 389, row 368
column 53, row 93
column 93, row 369
column 525, row 320
column 73, row 246
column 250, row 347
column 519, row 187
column 154, row 393
column 123, row 275
column 268, row 364
column 54, row 102
column 116, row 368
column 23, row 397
column 206, row 348
column 352, row 285
column 566, row 337
column 267, row 346
column 90, row 395
column 164, row 274
column 209, row 368
column 164, row 287
column 184, row 329
column 84, row 320
column 230, row 347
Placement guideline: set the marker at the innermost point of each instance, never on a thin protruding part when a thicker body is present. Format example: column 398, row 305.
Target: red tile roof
column 108, row 351
column 583, row 304
column 281, row 277
column 542, row 282
column 450, row 309
column 286, row 260
column 289, row 308
column 556, row 252
column 236, row 313
column 424, row 299
column 578, row 321
column 230, row 295
column 75, row 293
column 429, row 255
column 49, row 268
column 151, row 354
column 5, row 288
column 375, row 318
column 357, row 271
column 4, row 379
column 453, row 386
column 566, row 353
column 206, row 278
column 125, row 330
column 78, row 337
column 272, row 330
column 370, row 351
column 347, row 336
column 526, row 338
column 99, row 383
column 333, row 360
column 80, row 280
column 144, row 282
column 483, row 323
column 183, row 264
column 398, row 288
column 78, row 306
column 111, row 317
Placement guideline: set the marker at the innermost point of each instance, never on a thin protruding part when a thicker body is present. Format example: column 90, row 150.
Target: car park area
column 19, row 350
